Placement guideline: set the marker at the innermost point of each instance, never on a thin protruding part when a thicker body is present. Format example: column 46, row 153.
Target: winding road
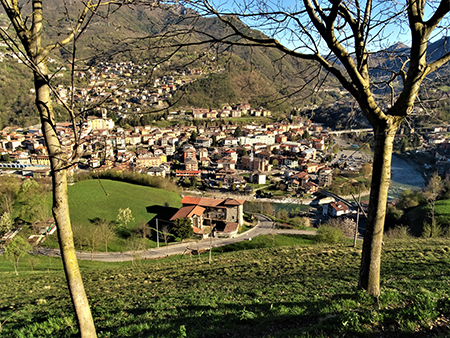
column 264, row 227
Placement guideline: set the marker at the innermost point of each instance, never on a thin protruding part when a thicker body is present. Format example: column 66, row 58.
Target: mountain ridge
column 257, row 74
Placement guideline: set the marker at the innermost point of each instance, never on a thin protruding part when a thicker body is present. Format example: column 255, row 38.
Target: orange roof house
column 188, row 212
column 223, row 215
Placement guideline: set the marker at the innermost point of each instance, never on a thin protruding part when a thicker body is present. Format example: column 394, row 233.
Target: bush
column 346, row 225
column 398, row 232
column 432, row 230
column 130, row 177
column 329, row 234
column 301, row 222
column 283, row 214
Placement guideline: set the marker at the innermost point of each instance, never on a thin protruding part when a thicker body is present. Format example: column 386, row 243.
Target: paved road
column 264, row 227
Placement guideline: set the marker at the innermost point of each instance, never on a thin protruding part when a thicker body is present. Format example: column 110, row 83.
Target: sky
column 395, row 32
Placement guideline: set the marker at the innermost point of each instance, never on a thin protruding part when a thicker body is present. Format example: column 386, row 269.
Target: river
column 403, row 176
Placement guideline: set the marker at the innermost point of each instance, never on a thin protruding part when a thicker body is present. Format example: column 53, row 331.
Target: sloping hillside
column 278, row 292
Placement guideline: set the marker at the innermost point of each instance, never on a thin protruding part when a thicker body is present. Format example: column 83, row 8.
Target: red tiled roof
column 203, row 201
column 230, row 201
column 210, row 202
column 190, row 200
column 339, row 206
column 188, row 212
column 301, row 175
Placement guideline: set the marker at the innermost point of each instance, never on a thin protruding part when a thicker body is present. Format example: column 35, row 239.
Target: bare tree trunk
column 369, row 278
column 60, row 208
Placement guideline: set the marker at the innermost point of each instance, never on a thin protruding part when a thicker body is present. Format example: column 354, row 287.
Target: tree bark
column 369, row 278
column 60, row 208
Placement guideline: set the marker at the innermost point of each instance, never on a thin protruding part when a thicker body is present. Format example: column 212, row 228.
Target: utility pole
column 210, row 246
column 157, row 233
column 357, row 217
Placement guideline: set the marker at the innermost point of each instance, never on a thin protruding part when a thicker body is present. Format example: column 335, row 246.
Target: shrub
column 130, row 177
column 283, row 214
column 398, row 232
column 329, row 234
column 302, row 222
column 347, row 225
column 432, row 230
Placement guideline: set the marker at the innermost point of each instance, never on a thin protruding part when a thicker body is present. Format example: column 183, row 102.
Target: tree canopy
column 16, row 249
column 182, row 228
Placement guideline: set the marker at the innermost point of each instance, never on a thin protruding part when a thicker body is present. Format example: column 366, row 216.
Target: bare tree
column 106, row 231
column 79, row 236
column 165, row 234
column 92, row 239
column 16, row 249
column 340, row 37
column 143, row 229
column 431, row 193
column 29, row 23
column 135, row 244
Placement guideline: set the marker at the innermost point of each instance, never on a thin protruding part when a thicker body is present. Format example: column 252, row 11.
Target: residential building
column 336, row 209
column 223, row 215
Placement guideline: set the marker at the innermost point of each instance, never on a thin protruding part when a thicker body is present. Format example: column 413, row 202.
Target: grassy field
column 87, row 201
column 300, row 291
column 267, row 241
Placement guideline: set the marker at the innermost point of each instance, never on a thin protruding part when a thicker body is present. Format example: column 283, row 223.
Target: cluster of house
column 118, row 84
column 145, row 148
column 223, row 217
column 226, row 112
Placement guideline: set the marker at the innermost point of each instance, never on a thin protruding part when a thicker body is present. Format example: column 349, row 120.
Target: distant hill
column 238, row 74
column 232, row 74
column 396, row 55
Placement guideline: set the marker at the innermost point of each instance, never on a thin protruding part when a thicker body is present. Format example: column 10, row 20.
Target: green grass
column 30, row 264
column 443, row 211
column 268, row 241
column 244, row 227
column 87, row 201
column 258, row 186
column 293, row 208
column 301, row 291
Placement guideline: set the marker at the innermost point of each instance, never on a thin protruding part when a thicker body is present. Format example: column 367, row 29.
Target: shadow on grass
column 249, row 305
column 162, row 212
column 278, row 319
